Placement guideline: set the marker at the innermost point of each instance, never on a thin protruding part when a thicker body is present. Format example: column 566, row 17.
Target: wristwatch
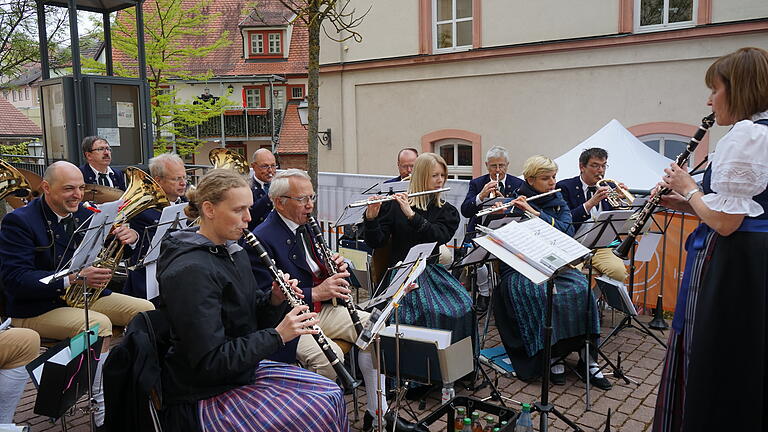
column 690, row 193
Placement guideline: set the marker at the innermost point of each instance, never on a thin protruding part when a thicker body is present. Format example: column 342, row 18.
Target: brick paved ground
column 631, row 405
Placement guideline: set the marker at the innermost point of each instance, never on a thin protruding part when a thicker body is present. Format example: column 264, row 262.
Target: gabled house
column 263, row 71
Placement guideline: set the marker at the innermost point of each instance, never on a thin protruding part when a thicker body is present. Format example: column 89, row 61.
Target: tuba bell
column 228, row 159
column 142, row 193
column 12, row 182
column 618, row 197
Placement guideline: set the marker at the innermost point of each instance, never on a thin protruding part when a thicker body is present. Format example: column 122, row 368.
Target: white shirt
column 108, row 173
column 740, row 168
column 293, row 226
column 596, row 209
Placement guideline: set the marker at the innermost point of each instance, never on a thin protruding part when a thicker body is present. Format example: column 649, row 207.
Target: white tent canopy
column 629, row 160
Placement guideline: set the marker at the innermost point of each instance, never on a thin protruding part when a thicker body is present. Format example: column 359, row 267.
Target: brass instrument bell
column 618, row 197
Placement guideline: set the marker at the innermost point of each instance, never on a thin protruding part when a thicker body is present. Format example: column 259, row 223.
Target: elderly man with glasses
column 168, row 171
column 585, row 200
column 264, row 170
column 98, row 155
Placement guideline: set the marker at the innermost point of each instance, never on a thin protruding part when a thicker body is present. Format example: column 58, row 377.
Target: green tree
column 19, row 37
column 342, row 22
column 15, row 149
column 176, row 35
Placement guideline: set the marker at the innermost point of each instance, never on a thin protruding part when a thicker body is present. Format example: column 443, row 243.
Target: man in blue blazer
column 405, row 160
column 35, row 240
column 168, row 171
column 585, row 200
column 96, row 170
column 480, row 190
column 264, row 169
column 285, row 236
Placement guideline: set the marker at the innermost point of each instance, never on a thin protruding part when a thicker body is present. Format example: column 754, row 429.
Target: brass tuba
column 142, row 193
column 228, row 159
column 618, row 197
column 12, row 182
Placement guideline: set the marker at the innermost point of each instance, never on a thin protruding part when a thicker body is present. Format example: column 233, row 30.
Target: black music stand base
column 630, row 321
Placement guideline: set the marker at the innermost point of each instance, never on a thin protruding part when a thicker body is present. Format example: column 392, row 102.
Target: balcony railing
column 242, row 125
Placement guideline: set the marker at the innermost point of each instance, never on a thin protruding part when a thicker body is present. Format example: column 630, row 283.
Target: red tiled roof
column 293, row 136
column 13, row 123
column 229, row 60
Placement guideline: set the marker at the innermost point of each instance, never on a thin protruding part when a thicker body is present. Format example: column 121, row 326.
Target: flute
column 490, row 210
column 331, row 269
column 344, row 376
column 392, row 197
column 623, row 249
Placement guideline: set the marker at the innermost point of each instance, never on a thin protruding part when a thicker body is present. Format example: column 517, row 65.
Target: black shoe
column 367, row 421
column 481, row 306
column 401, row 424
column 601, row 383
column 557, row 378
column 418, row 392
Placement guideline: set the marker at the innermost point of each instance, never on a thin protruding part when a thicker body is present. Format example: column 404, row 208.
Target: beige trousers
column 18, row 346
column 336, row 324
column 605, row 262
column 64, row 322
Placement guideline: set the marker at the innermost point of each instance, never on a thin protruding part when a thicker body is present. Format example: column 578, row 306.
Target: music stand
column 600, row 234
column 536, row 275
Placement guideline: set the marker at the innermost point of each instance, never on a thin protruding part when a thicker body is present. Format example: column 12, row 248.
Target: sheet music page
column 91, row 245
column 170, row 214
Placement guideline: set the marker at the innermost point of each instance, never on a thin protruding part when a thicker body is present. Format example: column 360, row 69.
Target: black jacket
column 436, row 224
column 221, row 323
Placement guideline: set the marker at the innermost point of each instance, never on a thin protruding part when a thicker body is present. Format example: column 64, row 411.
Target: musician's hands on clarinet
column 335, row 286
column 297, row 323
column 676, row 179
column 278, row 296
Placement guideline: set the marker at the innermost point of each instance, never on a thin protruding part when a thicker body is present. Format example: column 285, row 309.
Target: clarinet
column 623, row 249
column 346, row 379
column 331, row 269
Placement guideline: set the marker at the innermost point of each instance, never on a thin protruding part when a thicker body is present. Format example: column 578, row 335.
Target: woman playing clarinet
column 519, row 304
column 715, row 375
column 223, row 327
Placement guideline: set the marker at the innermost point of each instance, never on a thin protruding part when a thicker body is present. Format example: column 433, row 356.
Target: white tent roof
column 629, row 160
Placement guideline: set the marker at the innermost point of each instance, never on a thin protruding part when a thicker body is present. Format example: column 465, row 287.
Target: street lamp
column 323, row 136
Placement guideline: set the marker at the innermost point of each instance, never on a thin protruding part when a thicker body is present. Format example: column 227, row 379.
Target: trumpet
column 363, row 203
column 499, row 187
column 618, row 197
column 507, row 205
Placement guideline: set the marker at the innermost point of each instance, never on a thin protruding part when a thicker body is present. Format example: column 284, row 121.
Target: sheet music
column 171, row 214
column 93, row 241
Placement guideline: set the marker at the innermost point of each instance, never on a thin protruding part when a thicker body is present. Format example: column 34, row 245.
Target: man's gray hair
column 280, row 184
column 496, row 152
column 158, row 163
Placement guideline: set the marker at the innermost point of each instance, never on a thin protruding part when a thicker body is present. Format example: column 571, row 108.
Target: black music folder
column 61, row 378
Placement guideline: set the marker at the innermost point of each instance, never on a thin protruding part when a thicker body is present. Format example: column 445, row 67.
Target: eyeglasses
column 497, row 166
column 272, row 166
column 302, row 200
column 101, row 149
column 184, row 179
column 598, row 166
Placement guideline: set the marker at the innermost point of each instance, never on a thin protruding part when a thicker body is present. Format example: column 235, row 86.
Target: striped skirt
column 282, row 398
column 440, row 302
column 569, row 313
column 668, row 416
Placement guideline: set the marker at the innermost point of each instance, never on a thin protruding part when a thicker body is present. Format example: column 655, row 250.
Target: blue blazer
column 261, row 207
column 117, row 176
column 32, row 244
column 573, row 194
column 287, row 251
column 469, row 208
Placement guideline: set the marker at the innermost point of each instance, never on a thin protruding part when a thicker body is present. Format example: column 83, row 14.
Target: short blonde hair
column 744, row 73
column 422, row 172
column 537, row 165
column 212, row 188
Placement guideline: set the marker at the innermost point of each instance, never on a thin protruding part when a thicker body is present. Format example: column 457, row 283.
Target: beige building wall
column 737, row 10
column 536, row 103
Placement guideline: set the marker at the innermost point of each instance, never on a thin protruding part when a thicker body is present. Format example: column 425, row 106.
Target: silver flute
column 504, row 206
column 392, row 197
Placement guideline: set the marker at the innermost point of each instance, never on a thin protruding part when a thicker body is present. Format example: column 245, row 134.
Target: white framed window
column 297, row 92
column 275, row 45
column 669, row 145
column 253, row 98
column 452, row 25
column 655, row 15
column 257, row 43
column 458, row 156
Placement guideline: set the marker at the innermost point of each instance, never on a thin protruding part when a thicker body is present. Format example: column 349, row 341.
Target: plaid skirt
column 668, row 416
column 282, row 398
column 440, row 302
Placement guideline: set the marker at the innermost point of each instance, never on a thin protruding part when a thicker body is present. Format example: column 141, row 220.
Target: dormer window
column 265, row 43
